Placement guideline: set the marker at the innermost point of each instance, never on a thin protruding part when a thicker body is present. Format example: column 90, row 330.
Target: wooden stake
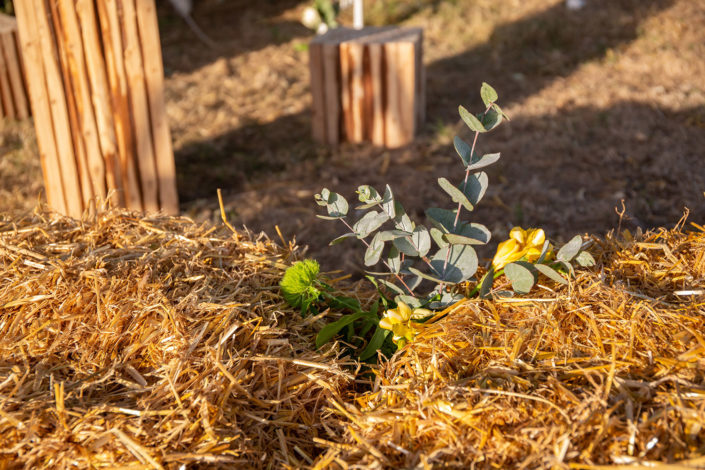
column 95, row 66
column 154, row 73
column 14, row 66
column 134, row 67
column 57, row 101
column 377, row 93
column 36, row 84
column 330, row 77
column 357, row 91
column 112, row 41
column 6, row 96
column 318, row 102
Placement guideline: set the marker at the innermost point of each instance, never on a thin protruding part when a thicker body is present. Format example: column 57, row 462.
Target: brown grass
column 129, row 342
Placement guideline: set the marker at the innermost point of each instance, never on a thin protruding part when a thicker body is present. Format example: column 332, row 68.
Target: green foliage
column 300, row 286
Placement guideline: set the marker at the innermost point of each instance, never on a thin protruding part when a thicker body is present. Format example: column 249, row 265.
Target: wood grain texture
column 15, row 72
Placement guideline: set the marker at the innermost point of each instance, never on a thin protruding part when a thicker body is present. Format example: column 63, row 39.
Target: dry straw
column 130, row 342
column 152, row 343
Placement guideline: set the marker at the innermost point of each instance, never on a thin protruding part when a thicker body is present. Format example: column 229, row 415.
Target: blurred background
column 607, row 104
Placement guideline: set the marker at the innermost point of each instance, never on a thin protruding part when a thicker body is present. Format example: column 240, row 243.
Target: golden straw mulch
column 154, row 343
column 607, row 371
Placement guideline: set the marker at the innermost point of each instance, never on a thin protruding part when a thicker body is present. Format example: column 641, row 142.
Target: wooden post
column 96, row 82
column 367, row 85
column 13, row 93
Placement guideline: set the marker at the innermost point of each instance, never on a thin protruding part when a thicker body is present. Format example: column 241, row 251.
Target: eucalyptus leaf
column 337, row 205
column 585, row 259
column 550, row 273
column 401, row 220
column 456, row 194
column 329, row 331
column 327, row 217
column 369, row 223
column 443, row 219
column 375, row 343
column 342, row 238
column 374, row 251
column 446, row 300
column 389, row 235
column 475, row 187
column 394, row 259
column 499, row 110
column 464, row 150
column 421, row 240
column 437, row 236
column 521, row 276
column 414, row 282
column 470, row 234
column 491, row 119
column 485, row 160
column 544, row 252
column 405, row 246
column 570, row 249
column 388, row 202
column 428, row 277
column 393, row 287
column 462, row 263
column 367, row 193
column 470, row 120
column 488, row 94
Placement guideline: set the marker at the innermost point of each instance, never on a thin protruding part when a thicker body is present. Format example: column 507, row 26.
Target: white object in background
column 183, row 8
column 574, row 4
column 358, row 17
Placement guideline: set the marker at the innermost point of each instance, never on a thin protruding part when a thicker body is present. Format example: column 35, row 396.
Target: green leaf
column 405, row 246
column 388, row 204
column 392, row 286
column 369, row 223
column 470, row 120
column 375, row 343
column 409, row 300
column 428, row 277
column 521, row 276
column 570, row 249
column 462, row 263
column 485, row 160
column 401, row 220
column 486, row 284
column 326, row 217
column 342, row 238
column 342, row 303
column 437, row 236
column 298, row 285
column 329, row 331
column 456, row 194
column 499, row 110
column 394, row 259
column 463, row 149
column 475, row 188
column 367, row 193
column 389, row 235
column 585, row 259
column 470, row 234
column 488, row 94
column 550, row 273
column 421, row 240
column 374, row 251
column 544, row 251
column 443, row 219
column 491, row 119
column 447, row 298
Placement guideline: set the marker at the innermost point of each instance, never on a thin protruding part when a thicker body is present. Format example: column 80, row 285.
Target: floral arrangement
column 440, row 255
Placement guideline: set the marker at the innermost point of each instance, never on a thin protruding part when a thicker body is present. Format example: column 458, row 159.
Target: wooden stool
column 367, row 85
column 13, row 94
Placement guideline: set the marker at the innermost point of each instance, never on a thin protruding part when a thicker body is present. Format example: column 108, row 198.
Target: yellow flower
column 399, row 321
column 522, row 244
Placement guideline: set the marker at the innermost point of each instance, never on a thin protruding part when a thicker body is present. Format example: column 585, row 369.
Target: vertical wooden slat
column 83, row 93
column 392, row 119
column 420, row 82
column 79, row 146
column 112, row 43
column 318, row 98
column 357, row 91
column 6, row 95
column 140, row 109
column 100, row 98
column 14, row 66
column 407, row 89
column 57, row 101
column 154, row 74
column 36, row 85
column 377, row 79
column 332, row 91
column 345, row 92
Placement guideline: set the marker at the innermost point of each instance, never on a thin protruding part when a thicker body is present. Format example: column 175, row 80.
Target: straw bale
column 155, row 343
column 609, row 370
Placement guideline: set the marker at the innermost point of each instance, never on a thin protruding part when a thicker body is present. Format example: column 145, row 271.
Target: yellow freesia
column 399, row 321
column 522, row 244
